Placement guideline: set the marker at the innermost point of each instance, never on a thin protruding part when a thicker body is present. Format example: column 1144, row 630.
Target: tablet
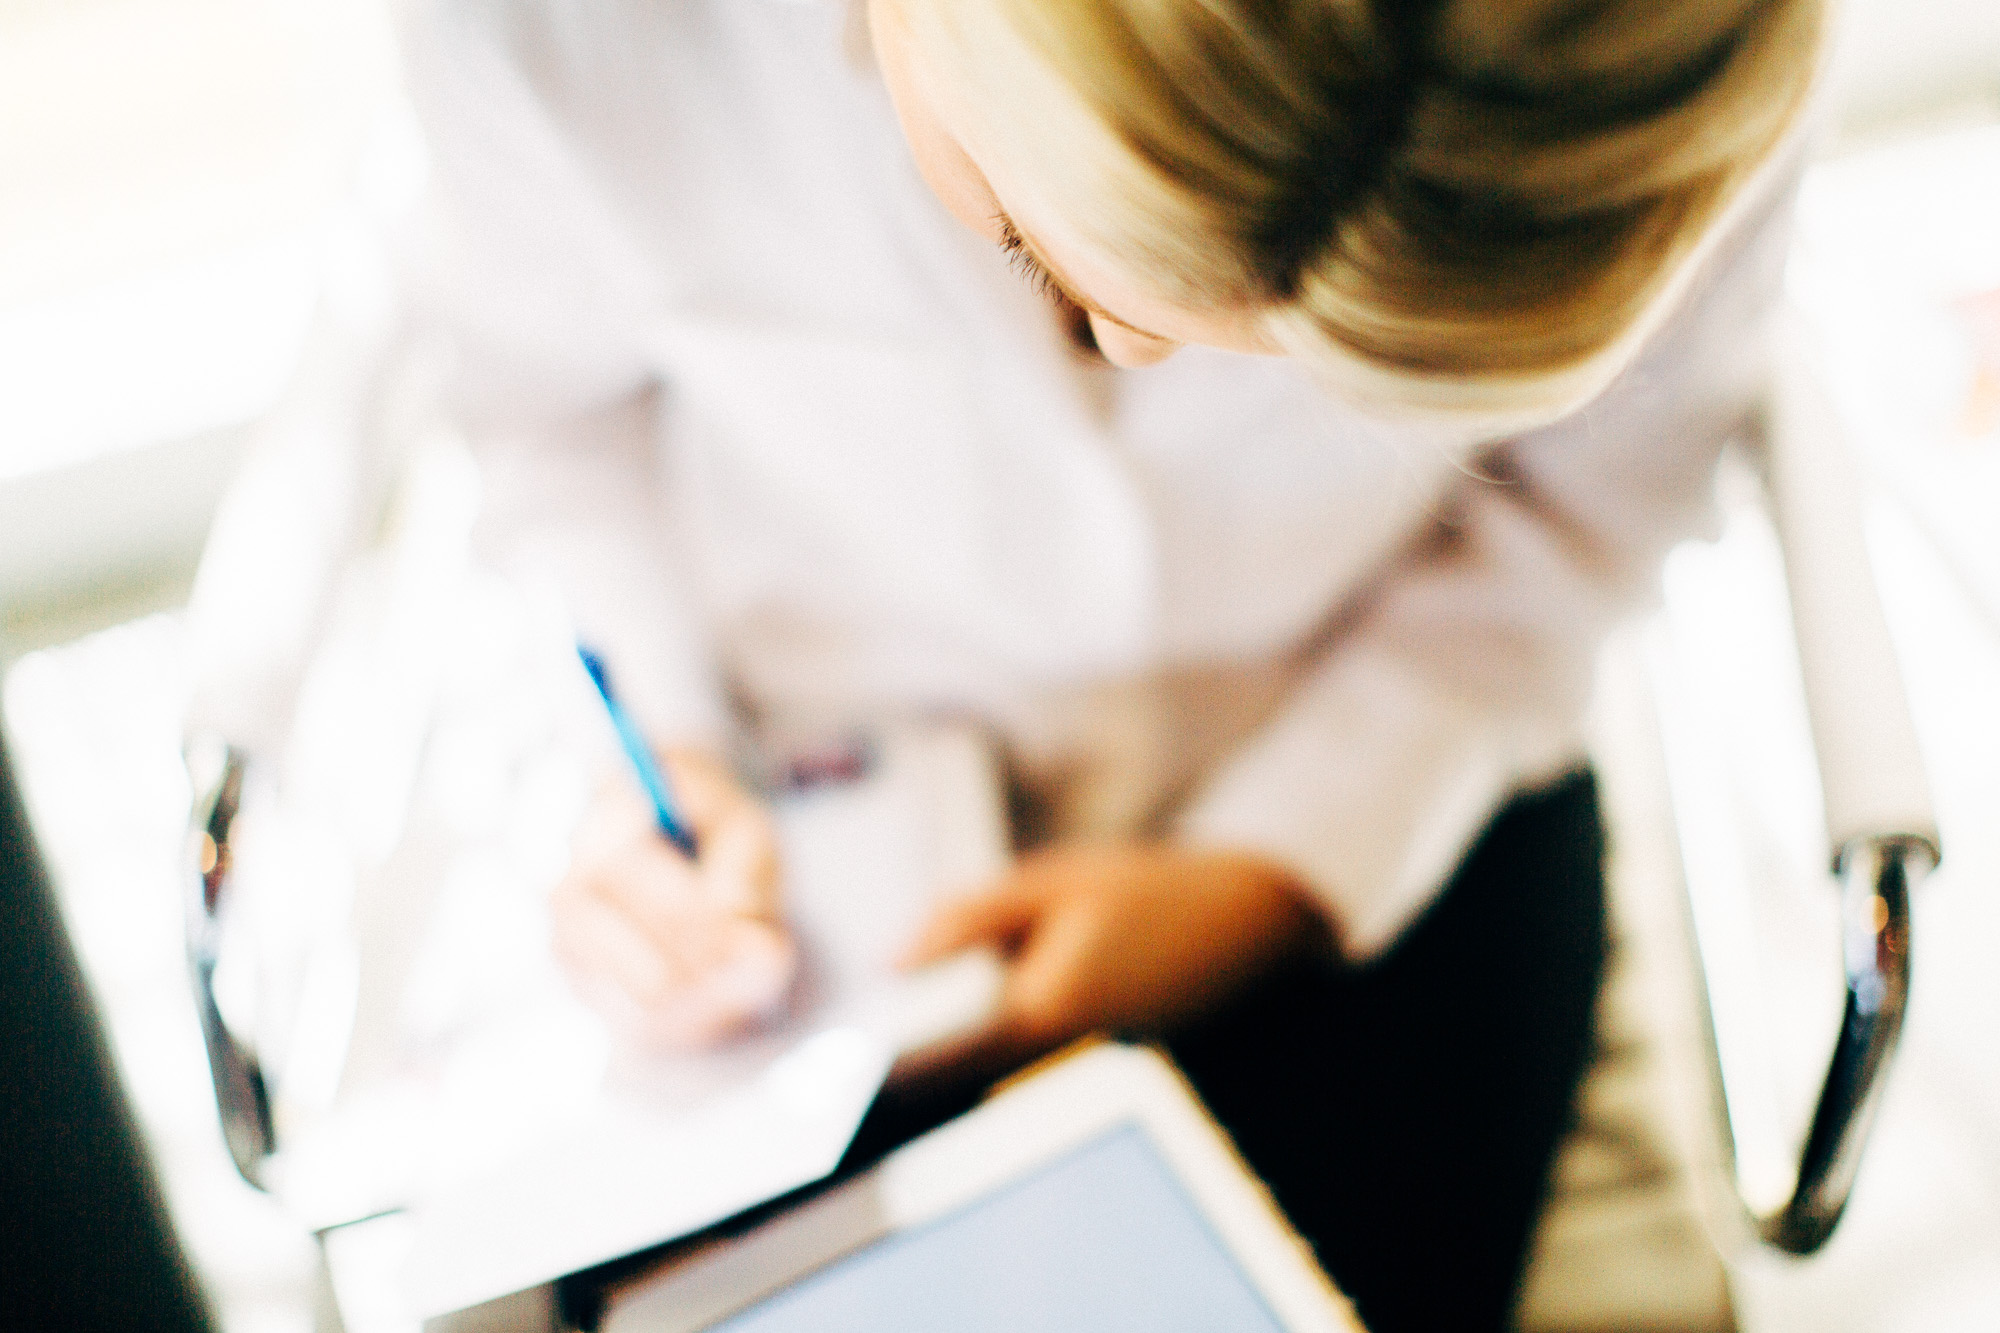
column 1092, row 1195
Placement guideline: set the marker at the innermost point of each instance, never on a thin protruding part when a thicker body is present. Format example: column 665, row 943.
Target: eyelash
column 1022, row 260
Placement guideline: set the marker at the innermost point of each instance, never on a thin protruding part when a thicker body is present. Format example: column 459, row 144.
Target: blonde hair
column 1465, row 203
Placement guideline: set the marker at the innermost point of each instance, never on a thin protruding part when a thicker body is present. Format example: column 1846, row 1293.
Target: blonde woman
column 1252, row 412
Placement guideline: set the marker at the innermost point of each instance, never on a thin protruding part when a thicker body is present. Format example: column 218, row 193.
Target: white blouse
column 804, row 448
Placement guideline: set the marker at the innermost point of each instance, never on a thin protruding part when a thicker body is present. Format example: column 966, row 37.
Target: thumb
column 999, row 917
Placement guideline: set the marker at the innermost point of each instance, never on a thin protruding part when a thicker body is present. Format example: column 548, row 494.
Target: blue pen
column 641, row 755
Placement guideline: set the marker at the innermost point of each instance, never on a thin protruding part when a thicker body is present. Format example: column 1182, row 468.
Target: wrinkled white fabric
column 797, row 442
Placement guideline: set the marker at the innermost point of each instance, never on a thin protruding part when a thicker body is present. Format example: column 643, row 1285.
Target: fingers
column 753, row 970
column 737, row 870
column 676, row 952
column 594, row 939
column 746, row 972
column 712, row 976
column 738, row 862
column 1017, row 918
column 703, row 786
column 1123, row 939
column 649, row 881
column 999, row 917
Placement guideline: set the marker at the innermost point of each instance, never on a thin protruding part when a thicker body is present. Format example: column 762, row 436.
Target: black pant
column 1405, row 1114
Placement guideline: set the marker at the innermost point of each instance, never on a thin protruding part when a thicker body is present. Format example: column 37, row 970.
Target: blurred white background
column 173, row 174
column 168, row 170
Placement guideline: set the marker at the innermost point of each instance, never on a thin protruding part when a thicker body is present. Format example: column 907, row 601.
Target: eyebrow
column 1040, row 273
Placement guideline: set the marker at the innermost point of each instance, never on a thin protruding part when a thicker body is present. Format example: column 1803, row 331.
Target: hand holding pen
column 668, row 919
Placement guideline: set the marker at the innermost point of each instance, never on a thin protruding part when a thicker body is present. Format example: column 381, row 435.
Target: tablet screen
column 1102, row 1239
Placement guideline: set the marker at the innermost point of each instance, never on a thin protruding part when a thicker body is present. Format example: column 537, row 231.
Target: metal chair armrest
column 242, row 1099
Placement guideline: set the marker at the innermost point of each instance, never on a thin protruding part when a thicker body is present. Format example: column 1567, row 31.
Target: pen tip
column 593, row 664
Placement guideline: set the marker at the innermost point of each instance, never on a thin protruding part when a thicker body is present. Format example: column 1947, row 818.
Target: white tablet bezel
column 1023, row 1128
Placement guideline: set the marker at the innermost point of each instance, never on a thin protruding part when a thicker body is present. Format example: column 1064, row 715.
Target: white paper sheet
column 531, row 1145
